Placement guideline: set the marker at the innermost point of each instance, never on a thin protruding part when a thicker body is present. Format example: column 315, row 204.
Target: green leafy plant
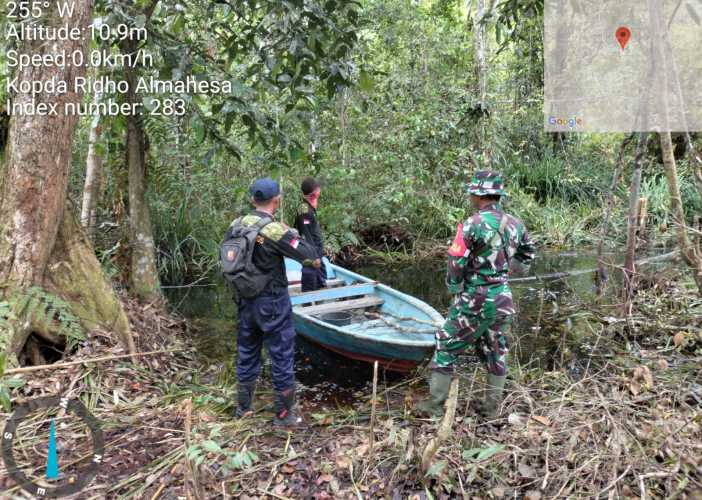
column 7, row 384
column 480, row 454
column 239, row 459
column 45, row 309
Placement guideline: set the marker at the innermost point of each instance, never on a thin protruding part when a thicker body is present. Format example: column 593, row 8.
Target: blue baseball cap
column 264, row 189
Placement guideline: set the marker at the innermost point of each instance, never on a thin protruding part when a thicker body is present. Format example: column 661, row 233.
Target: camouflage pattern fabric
column 486, row 183
column 478, row 267
column 472, row 324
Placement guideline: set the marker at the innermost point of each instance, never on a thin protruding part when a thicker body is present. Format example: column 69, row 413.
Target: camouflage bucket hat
column 486, row 183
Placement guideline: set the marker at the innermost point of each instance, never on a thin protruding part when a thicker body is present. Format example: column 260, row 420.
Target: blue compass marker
column 52, row 469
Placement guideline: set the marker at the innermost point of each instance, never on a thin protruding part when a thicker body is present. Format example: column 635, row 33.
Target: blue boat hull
column 398, row 331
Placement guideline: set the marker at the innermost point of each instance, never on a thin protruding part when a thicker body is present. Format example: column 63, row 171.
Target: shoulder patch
column 249, row 220
column 304, row 208
column 274, row 231
column 458, row 247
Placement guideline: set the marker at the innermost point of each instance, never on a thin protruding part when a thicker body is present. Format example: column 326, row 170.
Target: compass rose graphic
column 83, row 450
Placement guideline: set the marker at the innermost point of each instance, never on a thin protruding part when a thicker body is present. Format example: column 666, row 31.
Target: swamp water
column 541, row 336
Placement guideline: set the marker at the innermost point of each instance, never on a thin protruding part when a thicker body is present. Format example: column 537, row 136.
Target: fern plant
column 7, row 384
column 45, row 309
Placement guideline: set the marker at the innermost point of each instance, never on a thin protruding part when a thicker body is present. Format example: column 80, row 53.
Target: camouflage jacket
column 479, row 256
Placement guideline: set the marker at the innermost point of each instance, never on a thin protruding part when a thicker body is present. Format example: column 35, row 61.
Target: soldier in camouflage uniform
column 478, row 266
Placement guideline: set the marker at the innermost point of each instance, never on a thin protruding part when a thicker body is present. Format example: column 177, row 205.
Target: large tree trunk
column 93, row 176
column 143, row 274
column 691, row 254
column 40, row 243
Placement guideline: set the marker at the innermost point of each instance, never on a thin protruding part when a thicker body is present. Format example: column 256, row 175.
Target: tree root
column 444, row 429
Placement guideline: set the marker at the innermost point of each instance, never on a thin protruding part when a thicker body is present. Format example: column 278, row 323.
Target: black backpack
column 236, row 258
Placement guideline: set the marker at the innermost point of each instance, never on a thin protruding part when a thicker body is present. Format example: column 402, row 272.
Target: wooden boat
column 382, row 324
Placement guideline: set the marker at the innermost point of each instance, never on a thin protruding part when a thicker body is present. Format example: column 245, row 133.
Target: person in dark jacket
column 307, row 224
column 267, row 317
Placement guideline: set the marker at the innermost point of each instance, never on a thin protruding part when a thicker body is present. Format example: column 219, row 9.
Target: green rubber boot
column 438, row 388
column 493, row 396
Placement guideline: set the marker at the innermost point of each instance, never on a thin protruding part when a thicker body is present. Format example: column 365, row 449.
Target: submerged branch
column 579, row 272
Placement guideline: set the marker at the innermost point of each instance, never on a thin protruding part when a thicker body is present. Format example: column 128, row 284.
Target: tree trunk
column 484, row 10
column 40, row 243
column 143, row 274
column 630, row 258
column 695, row 163
column 601, row 277
column 93, row 176
column 691, row 254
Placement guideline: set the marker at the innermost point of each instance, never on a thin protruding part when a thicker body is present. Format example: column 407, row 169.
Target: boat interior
column 357, row 304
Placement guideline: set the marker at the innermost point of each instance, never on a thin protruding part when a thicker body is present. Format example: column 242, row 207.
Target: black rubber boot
column 285, row 415
column 245, row 394
column 439, row 384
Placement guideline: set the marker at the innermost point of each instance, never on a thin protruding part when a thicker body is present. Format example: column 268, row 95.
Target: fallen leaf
column 324, row 478
column 516, row 419
column 647, row 376
column 436, row 468
column 678, row 339
column 361, row 450
column 334, row 486
column 287, row 469
column 532, row 495
column 542, row 420
column 343, row 462
column 498, row 492
column 635, row 388
column 527, row 471
column 662, row 364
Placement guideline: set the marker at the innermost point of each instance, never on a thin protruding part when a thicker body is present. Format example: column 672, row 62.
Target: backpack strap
column 262, row 222
column 501, row 230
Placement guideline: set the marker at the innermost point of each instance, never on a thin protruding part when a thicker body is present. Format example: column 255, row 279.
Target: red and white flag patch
column 306, row 221
column 294, row 242
column 458, row 247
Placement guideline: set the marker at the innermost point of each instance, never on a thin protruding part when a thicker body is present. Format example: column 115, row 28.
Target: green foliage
column 213, row 450
column 279, row 57
column 42, row 308
column 480, row 454
column 655, row 188
column 379, row 100
column 7, row 384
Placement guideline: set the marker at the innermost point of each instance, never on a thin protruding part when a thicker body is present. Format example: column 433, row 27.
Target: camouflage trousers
column 479, row 319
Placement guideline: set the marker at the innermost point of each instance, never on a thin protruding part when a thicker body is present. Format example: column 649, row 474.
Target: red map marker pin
column 623, row 35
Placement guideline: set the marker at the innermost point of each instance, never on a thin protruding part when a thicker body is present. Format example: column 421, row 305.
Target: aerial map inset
column 623, row 65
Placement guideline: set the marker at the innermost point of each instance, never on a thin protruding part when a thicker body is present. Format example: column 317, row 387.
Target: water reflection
column 539, row 337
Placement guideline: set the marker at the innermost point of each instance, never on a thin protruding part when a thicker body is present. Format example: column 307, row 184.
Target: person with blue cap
column 267, row 317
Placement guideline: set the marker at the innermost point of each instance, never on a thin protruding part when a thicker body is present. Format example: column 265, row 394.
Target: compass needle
column 52, row 469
